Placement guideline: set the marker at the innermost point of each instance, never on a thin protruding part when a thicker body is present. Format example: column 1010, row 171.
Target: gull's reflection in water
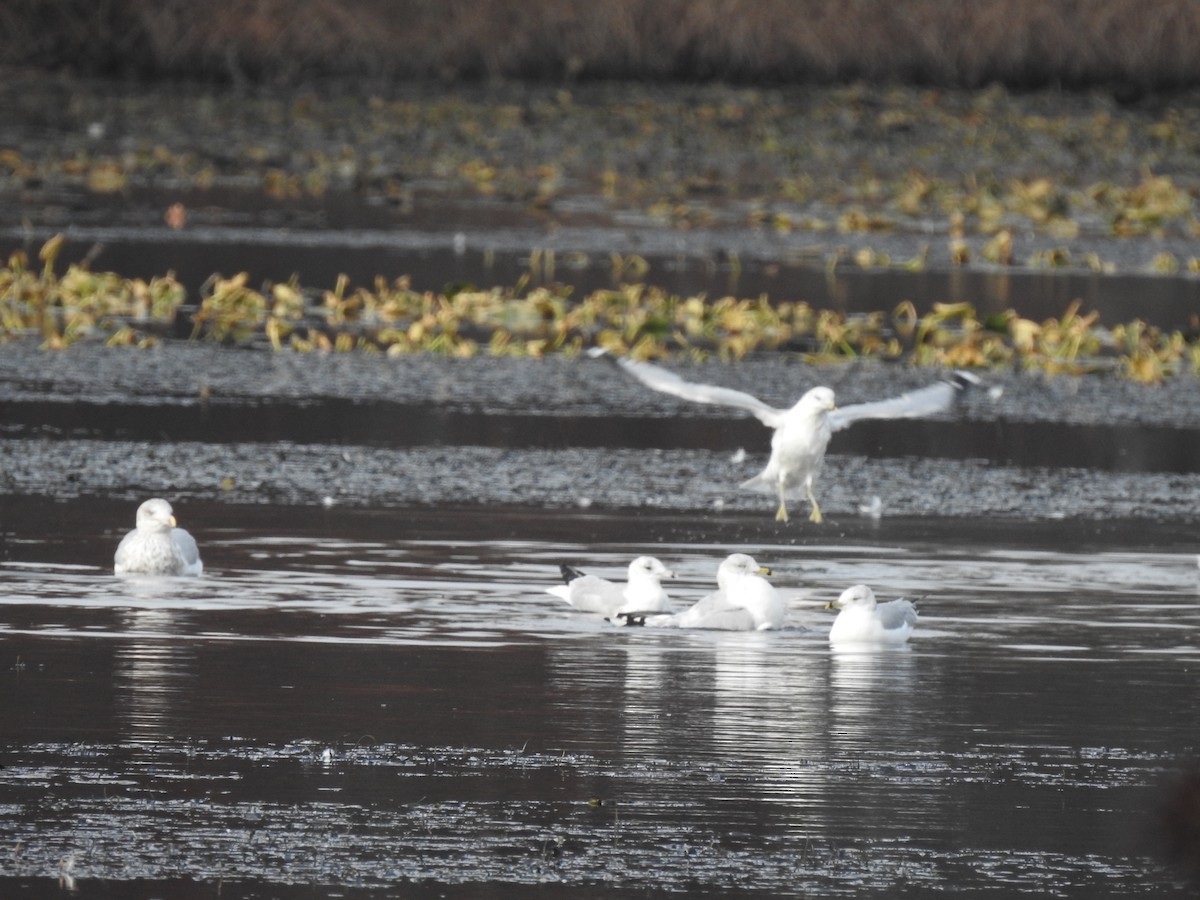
column 654, row 692
column 154, row 665
column 770, row 713
column 872, row 700
column 746, row 706
column 887, row 728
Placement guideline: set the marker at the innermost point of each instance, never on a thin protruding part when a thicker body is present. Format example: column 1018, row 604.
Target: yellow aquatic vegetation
column 82, row 304
column 638, row 319
column 229, row 311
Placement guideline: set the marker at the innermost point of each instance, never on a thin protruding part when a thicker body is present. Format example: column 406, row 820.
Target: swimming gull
column 744, row 601
column 864, row 620
column 802, row 432
column 156, row 546
column 642, row 593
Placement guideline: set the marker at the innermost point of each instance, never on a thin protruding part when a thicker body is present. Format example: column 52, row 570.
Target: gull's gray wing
column 709, row 604
column 595, row 595
column 186, row 545
column 728, row 620
column 926, row 401
column 896, row 614
column 718, row 612
column 713, row 612
column 660, row 379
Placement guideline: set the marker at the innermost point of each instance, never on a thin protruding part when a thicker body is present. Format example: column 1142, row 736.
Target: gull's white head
column 818, row 400
column 155, row 515
column 648, row 567
column 857, row 597
column 738, row 565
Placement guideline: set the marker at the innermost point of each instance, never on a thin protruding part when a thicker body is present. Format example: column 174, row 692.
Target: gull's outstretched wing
column 659, row 379
column 926, row 401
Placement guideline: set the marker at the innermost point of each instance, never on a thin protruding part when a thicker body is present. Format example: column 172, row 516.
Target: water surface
column 389, row 699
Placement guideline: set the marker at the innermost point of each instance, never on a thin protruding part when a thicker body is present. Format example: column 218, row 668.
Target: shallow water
column 1102, row 446
column 389, row 699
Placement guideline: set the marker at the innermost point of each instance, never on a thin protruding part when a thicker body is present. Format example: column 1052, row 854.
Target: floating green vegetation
column 635, row 319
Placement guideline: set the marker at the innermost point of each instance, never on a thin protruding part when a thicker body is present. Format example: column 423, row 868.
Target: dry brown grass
column 1138, row 45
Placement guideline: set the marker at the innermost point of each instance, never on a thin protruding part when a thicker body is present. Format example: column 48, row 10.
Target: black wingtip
column 964, row 380
column 569, row 574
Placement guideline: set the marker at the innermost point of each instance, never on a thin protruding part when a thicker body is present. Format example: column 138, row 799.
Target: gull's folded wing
column 729, row 620
column 187, row 546
column 896, row 614
column 591, row 593
column 660, row 379
column 926, row 401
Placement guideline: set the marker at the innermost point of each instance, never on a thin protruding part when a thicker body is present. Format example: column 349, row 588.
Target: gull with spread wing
column 802, row 432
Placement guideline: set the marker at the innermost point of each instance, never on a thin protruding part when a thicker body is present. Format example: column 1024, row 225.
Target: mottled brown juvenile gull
column 156, row 546
column 802, row 432
column 863, row 620
column 642, row 593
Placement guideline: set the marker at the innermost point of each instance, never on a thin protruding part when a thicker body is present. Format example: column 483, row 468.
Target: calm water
column 389, row 700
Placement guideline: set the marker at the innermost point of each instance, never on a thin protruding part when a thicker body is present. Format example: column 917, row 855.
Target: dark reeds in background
column 1124, row 44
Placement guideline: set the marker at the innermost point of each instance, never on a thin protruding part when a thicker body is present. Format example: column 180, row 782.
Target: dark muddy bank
column 1076, row 180
column 246, row 427
column 191, row 375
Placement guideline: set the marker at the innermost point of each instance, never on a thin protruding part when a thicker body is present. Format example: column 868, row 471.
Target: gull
column 744, row 601
column 863, row 620
column 156, row 546
column 802, row 432
column 643, row 593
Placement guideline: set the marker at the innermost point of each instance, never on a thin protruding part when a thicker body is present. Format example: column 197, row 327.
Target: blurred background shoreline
column 1130, row 48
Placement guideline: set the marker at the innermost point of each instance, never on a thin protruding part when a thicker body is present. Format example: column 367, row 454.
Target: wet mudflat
column 198, row 422
column 385, row 698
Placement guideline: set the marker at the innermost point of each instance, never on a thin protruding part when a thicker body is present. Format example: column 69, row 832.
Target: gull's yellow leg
column 815, row 515
column 781, row 514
